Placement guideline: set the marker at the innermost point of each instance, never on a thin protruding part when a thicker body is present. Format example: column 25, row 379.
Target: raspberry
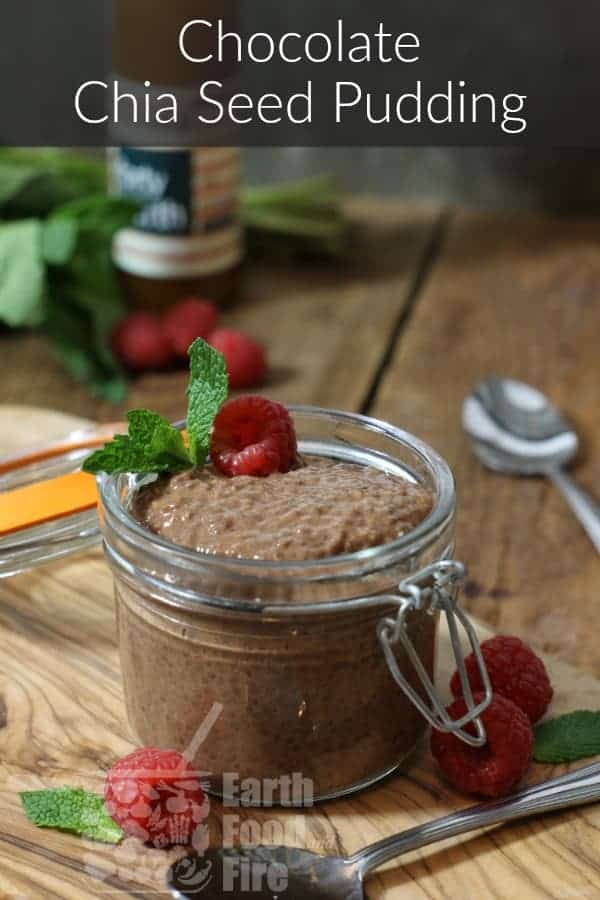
column 515, row 673
column 494, row 769
column 155, row 795
column 253, row 436
column 246, row 360
column 187, row 320
column 139, row 342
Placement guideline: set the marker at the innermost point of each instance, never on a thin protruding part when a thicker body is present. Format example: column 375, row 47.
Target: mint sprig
column 566, row 738
column 207, row 391
column 152, row 444
column 71, row 809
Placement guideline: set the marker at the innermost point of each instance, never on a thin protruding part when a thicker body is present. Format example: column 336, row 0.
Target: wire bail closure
column 434, row 589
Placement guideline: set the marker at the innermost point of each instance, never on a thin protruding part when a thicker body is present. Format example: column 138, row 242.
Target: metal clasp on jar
column 433, row 589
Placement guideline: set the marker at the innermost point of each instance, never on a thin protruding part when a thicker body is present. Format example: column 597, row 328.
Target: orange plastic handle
column 46, row 501
column 56, row 497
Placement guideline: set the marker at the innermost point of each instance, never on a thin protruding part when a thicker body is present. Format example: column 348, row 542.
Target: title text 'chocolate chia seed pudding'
column 305, row 692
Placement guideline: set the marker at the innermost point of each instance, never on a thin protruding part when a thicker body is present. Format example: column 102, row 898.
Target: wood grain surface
column 428, row 305
column 519, row 297
column 326, row 326
column 63, row 722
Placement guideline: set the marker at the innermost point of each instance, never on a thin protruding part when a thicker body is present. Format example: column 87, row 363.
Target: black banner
column 197, row 72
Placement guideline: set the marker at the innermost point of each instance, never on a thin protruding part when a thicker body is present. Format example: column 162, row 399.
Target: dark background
column 543, row 177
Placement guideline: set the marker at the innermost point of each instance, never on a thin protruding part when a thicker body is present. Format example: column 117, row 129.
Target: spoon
column 289, row 873
column 515, row 429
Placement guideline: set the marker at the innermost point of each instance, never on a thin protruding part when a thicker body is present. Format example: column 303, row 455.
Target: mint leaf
column 161, row 441
column 569, row 737
column 59, row 239
column 119, row 456
column 75, row 342
column 84, row 300
column 22, row 273
column 71, row 809
column 14, row 178
column 207, row 391
column 152, row 446
column 33, row 182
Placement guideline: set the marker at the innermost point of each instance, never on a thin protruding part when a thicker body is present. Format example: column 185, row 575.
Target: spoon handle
column 581, row 786
column 585, row 507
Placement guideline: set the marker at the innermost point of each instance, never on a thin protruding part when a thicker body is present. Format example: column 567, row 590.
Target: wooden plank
column 520, row 297
column 63, row 722
column 325, row 326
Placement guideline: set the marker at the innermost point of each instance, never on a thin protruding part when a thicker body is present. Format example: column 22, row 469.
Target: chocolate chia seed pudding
column 307, row 692
column 322, row 508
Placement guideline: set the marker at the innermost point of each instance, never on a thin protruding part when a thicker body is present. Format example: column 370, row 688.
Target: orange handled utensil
column 45, row 501
column 41, row 499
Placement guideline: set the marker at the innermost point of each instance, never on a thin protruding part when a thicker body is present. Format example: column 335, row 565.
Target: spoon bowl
column 515, row 429
column 265, row 873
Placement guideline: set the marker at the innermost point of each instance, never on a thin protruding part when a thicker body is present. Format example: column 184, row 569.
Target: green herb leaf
column 119, row 456
column 33, row 182
column 59, row 240
column 22, row 275
column 15, row 176
column 162, row 441
column 76, row 342
column 207, row 391
column 84, row 300
column 152, row 446
column 71, row 809
column 295, row 218
column 569, row 737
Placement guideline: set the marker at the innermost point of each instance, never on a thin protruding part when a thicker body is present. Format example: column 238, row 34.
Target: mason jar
column 276, row 670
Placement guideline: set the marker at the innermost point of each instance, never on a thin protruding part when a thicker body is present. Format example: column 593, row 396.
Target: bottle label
column 189, row 224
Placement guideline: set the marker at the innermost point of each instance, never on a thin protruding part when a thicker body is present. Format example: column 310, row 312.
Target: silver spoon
column 515, row 429
column 288, row 873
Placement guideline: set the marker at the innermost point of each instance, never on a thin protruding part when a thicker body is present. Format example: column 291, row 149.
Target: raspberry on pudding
column 253, row 436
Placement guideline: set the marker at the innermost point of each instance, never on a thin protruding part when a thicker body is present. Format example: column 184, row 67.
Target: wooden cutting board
column 62, row 721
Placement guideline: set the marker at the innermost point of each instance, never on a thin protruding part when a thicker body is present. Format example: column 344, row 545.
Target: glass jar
column 264, row 669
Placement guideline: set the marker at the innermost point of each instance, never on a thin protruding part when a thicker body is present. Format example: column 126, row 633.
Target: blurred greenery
column 56, row 228
column 57, row 223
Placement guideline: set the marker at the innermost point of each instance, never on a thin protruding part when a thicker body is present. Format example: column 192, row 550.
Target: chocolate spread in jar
column 324, row 508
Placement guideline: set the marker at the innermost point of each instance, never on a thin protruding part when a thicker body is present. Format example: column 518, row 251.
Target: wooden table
column 429, row 302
